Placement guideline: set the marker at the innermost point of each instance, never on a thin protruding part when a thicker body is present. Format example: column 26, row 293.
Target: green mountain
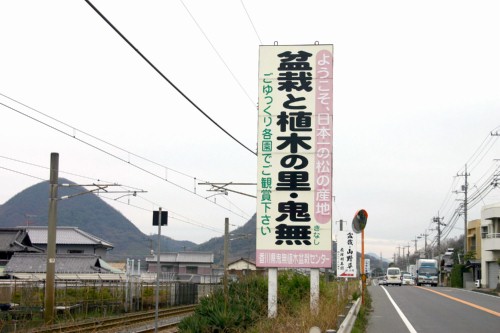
column 92, row 214
column 241, row 243
column 89, row 213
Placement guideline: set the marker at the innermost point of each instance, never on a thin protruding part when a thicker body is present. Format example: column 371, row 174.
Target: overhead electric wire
column 113, row 155
column 170, row 216
column 95, row 137
column 165, row 78
column 480, row 149
column 251, row 22
column 473, row 161
column 22, row 173
column 218, row 54
column 185, row 220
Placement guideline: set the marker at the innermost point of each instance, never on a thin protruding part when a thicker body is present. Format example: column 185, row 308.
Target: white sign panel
column 346, row 254
column 294, row 180
column 367, row 266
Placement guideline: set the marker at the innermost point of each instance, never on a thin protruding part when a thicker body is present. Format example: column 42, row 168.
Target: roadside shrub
column 246, row 303
column 456, row 276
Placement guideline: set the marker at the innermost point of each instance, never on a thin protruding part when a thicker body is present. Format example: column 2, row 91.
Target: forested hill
column 89, row 213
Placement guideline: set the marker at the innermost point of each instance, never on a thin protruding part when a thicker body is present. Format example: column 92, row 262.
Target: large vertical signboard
column 294, row 180
column 346, row 254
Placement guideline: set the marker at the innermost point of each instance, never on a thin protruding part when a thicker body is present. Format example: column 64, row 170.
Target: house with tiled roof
column 243, row 266
column 186, row 266
column 14, row 240
column 75, row 267
column 69, row 240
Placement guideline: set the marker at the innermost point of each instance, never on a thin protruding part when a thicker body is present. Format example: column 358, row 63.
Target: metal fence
column 22, row 302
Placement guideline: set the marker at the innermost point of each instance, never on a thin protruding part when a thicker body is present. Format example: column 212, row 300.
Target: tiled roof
column 184, row 257
column 65, row 263
column 15, row 240
column 66, row 235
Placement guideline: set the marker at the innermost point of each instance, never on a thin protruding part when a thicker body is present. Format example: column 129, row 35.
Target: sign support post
column 358, row 226
column 272, row 293
column 159, row 218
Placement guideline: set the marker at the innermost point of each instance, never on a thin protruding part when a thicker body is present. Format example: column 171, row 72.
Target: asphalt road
column 432, row 309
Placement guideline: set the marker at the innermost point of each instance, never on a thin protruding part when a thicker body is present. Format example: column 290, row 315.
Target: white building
column 490, row 245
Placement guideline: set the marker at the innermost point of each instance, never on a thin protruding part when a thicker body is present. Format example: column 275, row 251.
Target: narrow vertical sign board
column 346, row 254
column 294, row 180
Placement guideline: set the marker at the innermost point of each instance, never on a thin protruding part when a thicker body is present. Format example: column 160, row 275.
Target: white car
column 407, row 279
column 394, row 276
column 382, row 281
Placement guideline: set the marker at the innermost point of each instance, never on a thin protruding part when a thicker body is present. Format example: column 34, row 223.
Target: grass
column 294, row 313
column 361, row 323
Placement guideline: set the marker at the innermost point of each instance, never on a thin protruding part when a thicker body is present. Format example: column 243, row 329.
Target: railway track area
column 139, row 322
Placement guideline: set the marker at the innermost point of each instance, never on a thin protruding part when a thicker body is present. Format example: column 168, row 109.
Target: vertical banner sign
column 346, row 254
column 367, row 266
column 294, row 180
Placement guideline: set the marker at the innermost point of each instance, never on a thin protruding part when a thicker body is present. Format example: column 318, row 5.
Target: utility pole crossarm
column 222, row 187
column 98, row 188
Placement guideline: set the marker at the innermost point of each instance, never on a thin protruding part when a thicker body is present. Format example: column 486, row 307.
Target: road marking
column 464, row 302
column 400, row 313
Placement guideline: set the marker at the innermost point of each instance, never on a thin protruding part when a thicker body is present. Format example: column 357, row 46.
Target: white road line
column 401, row 314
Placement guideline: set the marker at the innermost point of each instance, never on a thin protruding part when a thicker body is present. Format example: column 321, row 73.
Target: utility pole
column 226, row 254
column 437, row 220
column 399, row 255
column 464, row 190
column 408, row 256
column 404, row 257
column 425, row 234
column 341, row 224
column 416, row 239
column 49, row 297
column 50, row 290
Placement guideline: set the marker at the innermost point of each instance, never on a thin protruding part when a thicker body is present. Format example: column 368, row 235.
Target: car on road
column 394, row 276
column 407, row 279
column 382, row 281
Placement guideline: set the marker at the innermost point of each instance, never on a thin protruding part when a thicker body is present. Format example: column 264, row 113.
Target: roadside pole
column 51, row 241
column 159, row 218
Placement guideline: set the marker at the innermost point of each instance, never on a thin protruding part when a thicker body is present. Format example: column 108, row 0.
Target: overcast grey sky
column 416, row 96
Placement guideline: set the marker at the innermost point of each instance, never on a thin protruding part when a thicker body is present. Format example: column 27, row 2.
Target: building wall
column 490, row 237
column 241, row 265
column 69, row 248
column 474, row 237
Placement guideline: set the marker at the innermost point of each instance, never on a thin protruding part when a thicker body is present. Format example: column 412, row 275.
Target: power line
column 75, row 130
column 115, row 156
column 488, row 140
column 165, row 78
column 251, row 22
column 171, row 216
column 218, row 54
column 185, row 220
column 24, row 174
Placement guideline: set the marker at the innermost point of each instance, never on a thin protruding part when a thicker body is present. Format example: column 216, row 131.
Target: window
column 484, row 231
column 75, row 251
column 167, row 268
column 191, row 269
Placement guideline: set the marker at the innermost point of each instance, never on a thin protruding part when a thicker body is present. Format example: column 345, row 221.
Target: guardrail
column 348, row 322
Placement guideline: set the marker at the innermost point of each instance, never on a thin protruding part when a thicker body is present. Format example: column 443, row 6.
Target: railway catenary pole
column 51, row 241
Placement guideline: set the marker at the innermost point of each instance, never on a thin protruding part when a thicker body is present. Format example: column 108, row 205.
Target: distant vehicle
column 382, row 281
column 427, row 272
column 447, row 260
column 412, row 269
column 407, row 279
column 394, row 276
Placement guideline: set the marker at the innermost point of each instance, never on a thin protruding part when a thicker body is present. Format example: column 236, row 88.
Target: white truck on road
column 427, row 272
